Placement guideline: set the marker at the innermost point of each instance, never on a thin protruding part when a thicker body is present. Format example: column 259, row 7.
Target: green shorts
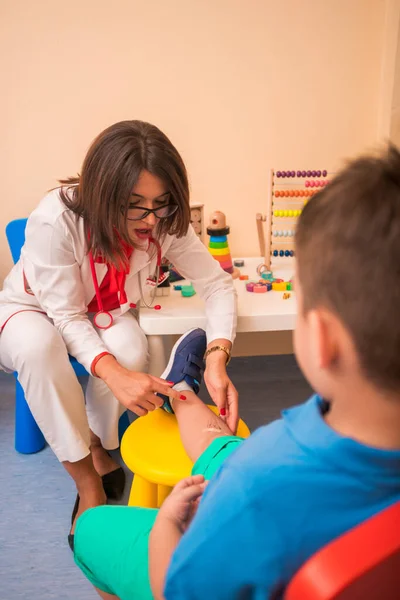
column 111, row 542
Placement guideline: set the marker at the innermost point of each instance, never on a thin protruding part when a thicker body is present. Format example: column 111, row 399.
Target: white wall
column 395, row 113
column 240, row 86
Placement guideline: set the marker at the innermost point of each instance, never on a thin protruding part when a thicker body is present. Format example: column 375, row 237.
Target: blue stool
column 28, row 437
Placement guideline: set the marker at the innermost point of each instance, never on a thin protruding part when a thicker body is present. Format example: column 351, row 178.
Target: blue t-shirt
column 288, row 490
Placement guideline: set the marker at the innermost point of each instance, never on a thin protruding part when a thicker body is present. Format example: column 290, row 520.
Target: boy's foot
column 186, row 363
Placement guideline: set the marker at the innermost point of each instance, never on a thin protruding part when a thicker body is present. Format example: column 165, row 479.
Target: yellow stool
column 152, row 449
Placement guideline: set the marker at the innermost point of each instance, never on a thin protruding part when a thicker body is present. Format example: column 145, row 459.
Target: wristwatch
column 223, row 348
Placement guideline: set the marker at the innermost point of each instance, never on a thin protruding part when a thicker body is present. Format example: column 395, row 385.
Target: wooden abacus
column 288, row 192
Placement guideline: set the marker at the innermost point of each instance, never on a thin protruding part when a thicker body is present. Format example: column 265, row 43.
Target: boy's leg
column 111, row 542
column 205, row 436
column 198, row 425
column 111, row 548
column 106, row 596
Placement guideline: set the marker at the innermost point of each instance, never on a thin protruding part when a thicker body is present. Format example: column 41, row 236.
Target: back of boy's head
column 348, row 260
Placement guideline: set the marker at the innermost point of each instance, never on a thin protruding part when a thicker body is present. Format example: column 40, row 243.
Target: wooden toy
column 288, row 193
column 218, row 244
column 197, row 222
column 197, row 219
column 279, row 286
column 164, row 288
column 187, row 291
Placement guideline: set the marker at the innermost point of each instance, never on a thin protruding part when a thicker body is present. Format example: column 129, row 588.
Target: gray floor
column 36, row 495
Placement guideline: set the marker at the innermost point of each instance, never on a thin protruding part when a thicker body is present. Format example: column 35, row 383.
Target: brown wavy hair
column 113, row 163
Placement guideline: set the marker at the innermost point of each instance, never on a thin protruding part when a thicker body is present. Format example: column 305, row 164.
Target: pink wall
column 239, row 85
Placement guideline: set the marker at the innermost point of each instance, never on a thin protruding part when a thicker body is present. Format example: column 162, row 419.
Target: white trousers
column 32, row 346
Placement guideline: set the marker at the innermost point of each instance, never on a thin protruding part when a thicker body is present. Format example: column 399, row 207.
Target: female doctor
column 93, row 247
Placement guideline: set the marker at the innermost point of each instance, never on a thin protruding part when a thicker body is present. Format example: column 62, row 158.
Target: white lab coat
column 43, row 313
column 54, row 264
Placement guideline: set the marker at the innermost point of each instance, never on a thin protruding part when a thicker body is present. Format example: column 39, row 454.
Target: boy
column 326, row 466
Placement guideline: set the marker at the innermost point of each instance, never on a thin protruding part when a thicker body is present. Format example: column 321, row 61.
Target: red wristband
column 96, row 360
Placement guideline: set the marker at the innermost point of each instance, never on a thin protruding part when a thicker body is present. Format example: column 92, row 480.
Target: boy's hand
column 181, row 505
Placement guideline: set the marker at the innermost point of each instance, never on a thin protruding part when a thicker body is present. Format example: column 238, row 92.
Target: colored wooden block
column 218, row 245
column 187, row 291
column 225, row 264
column 279, row 286
column 219, row 251
column 267, row 276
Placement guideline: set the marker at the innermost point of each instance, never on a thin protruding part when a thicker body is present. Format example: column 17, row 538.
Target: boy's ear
column 323, row 344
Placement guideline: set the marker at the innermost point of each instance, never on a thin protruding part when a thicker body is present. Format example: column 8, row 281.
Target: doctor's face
column 149, row 193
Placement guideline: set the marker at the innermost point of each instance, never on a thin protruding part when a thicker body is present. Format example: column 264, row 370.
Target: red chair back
column 361, row 564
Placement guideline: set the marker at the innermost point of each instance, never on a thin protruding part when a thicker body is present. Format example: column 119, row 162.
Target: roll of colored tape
column 260, row 288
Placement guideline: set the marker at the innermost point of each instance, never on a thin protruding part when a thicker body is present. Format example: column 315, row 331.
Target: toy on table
column 197, row 222
column 267, row 283
column 218, row 244
column 197, row 219
column 238, row 262
column 288, row 194
column 186, row 290
column 164, row 288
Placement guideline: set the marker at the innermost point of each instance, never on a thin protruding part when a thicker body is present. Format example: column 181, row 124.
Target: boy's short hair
column 348, row 259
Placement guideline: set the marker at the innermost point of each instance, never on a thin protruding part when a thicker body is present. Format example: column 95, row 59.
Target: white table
column 256, row 312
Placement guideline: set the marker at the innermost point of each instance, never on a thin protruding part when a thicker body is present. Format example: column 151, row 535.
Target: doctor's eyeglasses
column 137, row 213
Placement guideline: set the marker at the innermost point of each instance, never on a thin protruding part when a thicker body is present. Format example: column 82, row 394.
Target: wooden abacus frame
column 312, row 179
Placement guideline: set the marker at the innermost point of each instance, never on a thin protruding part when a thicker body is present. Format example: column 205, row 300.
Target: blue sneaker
column 186, row 362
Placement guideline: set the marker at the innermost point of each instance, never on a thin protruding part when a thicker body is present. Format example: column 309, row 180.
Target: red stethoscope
column 103, row 319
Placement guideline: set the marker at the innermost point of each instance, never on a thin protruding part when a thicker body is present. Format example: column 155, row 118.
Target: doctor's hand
column 136, row 391
column 221, row 389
